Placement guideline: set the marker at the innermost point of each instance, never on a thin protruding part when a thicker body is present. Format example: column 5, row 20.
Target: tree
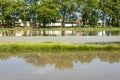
column 47, row 11
column 66, row 6
column 105, row 10
column 22, row 11
column 116, row 13
column 71, row 11
column 83, row 10
column 12, row 10
column 3, row 6
column 8, row 9
column 93, row 12
column 32, row 7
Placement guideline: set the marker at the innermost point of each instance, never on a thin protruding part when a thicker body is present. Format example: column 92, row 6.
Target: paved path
column 69, row 39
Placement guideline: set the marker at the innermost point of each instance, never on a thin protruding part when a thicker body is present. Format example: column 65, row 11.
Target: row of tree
column 47, row 11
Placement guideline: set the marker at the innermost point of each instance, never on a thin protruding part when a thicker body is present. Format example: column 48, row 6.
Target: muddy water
column 93, row 65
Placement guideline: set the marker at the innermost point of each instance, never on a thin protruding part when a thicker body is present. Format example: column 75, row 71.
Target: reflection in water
column 92, row 65
column 58, row 33
column 63, row 60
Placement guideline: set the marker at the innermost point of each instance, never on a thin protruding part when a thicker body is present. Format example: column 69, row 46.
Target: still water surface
column 58, row 33
column 96, row 65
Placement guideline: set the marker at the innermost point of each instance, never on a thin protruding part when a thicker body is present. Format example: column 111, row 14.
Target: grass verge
column 33, row 47
column 69, row 28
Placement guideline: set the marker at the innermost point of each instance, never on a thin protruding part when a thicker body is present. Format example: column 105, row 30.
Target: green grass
column 99, row 29
column 28, row 47
column 78, row 29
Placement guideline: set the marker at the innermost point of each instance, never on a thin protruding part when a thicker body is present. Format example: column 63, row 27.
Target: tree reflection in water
column 58, row 33
column 64, row 60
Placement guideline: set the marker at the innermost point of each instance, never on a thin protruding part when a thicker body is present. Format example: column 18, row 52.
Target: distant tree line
column 48, row 11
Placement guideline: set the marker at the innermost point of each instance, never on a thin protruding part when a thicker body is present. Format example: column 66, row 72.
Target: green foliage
column 110, row 11
column 47, row 11
column 66, row 7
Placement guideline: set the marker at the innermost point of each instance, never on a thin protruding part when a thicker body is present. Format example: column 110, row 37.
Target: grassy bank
column 78, row 29
column 28, row 47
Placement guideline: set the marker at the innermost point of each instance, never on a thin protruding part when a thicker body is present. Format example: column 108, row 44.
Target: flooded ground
column 92, row 65
column 64, row 39
column 58, row 33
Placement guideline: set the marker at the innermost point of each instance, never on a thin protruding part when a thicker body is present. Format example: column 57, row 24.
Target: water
column 92, row 65
column 58, row 33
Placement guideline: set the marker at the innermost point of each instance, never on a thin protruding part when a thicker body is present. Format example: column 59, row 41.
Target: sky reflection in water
column 96, row 65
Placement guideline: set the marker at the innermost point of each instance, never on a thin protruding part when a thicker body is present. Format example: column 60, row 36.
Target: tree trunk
column 63, row 23
column 44, row 23
column 83, row 24
column 63, row 20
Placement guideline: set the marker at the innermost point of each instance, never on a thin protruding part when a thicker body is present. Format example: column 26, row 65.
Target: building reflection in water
column 58, row 33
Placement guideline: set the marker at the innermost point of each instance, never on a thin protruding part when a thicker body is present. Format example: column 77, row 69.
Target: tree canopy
column 48, row 11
